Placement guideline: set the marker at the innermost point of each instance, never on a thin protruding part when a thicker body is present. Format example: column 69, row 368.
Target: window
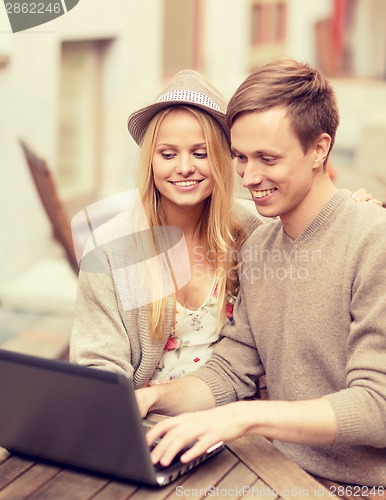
column 268, row 30
column 268, row 22
column 79, row 119
column 182, row 32
column 262, row 17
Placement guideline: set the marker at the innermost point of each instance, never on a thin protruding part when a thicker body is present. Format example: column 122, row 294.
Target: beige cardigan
column 106, row 336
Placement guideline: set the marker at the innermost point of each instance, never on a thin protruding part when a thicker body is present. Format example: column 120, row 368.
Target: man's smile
column 262, row 193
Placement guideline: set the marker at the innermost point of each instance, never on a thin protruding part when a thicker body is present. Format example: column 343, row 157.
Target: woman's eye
column 200, row 154
column 167, row 156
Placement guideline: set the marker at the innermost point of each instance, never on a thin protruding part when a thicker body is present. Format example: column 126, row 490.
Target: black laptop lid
column 73, row 415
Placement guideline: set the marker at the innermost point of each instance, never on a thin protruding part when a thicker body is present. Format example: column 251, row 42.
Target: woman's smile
column 188, row 185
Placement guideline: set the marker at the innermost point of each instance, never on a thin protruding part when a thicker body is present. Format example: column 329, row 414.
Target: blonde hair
column 222, row 234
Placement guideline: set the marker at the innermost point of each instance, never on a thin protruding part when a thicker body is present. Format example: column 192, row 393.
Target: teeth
column 185, row 183
column 261, row 194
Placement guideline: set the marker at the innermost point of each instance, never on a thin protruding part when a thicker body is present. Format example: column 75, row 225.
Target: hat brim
column 138, row 121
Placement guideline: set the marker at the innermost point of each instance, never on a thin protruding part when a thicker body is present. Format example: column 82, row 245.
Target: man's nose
column 251, row 174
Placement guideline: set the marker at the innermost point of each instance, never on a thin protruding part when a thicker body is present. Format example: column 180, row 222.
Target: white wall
column 29, row 88
column 28, row 100
column 132, row 76
column 302, row 15
column 370, row 39
column 226, row 43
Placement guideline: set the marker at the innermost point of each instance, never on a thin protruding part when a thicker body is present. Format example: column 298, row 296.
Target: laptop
column 79, row 417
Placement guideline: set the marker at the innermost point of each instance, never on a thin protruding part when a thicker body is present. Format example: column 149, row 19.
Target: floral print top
column 191, row 344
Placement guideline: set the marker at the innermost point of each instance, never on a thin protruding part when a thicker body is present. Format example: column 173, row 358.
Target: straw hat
column 188, row 87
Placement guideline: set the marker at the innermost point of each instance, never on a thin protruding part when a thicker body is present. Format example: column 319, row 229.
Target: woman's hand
column 178, row 396
column 362, row 195
column 145, row 400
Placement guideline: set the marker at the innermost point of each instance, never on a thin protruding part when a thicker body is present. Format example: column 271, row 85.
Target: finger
column 159, row 430
column 376, row 202
column 363, row 197
column 199, row 448
column 170, row 445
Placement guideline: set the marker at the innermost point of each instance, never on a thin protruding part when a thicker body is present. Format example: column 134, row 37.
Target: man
column 311, row 312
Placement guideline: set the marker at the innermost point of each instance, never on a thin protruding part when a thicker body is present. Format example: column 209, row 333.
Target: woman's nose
column 185, row 166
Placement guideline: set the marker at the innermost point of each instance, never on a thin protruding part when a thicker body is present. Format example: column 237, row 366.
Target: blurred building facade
column 67, row 88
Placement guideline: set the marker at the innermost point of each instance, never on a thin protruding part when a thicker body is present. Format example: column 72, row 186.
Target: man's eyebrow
column 258, row 152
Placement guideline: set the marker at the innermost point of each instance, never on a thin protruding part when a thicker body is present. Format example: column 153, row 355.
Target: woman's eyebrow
column 200, row 145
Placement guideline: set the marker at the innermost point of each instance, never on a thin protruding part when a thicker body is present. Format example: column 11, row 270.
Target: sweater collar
column 323, row 216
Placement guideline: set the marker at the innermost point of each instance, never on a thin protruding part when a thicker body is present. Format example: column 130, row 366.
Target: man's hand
column 310, row 422
column 205, row 429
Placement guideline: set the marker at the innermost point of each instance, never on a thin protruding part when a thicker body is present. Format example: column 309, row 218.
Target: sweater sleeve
column 235, row 366
column 247, row 215
column 99, row 338
column 360, row 408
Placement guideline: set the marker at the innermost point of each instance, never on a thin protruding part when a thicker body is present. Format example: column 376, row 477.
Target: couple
column 310, row 301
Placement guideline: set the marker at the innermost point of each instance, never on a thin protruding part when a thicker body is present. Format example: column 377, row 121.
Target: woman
column 185, row 181
column 145, row 323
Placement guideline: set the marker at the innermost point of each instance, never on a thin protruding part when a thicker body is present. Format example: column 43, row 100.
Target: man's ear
column 322, row 148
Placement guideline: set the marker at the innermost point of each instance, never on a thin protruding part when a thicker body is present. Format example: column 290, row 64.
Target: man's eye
column 269, row 160
column 241, row 158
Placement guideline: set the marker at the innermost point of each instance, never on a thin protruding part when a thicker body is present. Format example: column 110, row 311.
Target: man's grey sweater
column 311, row 315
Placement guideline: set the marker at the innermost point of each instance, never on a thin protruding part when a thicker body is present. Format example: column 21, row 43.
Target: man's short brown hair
column 306, row 94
